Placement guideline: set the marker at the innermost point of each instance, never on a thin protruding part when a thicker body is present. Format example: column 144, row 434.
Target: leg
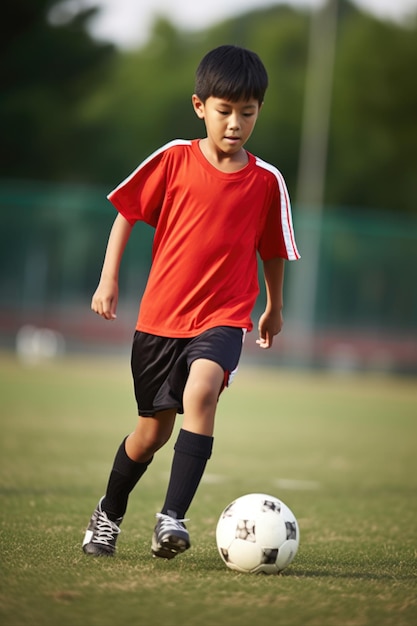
column 192, row 450
column 131, row 462
column 194, row 443
column 150, row 434
column 201, row 395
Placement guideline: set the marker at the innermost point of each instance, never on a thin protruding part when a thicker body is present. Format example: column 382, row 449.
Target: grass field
column 341, row 451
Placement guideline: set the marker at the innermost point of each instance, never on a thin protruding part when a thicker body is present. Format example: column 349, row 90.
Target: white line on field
column 282, row 483
column 214, row 479
column 209, row 479
column 293, row 483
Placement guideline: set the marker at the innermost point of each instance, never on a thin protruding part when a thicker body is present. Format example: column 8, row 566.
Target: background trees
column 74, row 109
column 46, row 71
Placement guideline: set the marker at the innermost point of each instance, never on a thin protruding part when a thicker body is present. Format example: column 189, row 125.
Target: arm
column 271, row 321
column 105, row 298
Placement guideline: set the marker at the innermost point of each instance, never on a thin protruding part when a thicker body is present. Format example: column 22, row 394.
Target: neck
column 223, row 161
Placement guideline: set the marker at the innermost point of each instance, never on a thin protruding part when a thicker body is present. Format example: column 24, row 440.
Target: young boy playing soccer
column 214, row 207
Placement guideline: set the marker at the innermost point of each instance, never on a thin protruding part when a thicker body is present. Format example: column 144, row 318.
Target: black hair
column 232, row 73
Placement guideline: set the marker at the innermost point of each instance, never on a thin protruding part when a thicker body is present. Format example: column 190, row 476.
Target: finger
column 266, row 341
column 108, row 314
column 109, row 309
column 263, row 342
column 94, row 305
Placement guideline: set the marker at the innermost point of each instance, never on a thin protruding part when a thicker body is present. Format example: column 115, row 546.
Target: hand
column 105, row 298
column 269, row 326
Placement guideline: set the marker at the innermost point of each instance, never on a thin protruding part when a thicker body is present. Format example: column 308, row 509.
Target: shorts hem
column 159, row 409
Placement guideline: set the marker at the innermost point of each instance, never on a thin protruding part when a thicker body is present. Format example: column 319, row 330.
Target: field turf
column 340, row 451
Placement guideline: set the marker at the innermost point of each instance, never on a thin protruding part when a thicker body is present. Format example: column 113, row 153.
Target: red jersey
column 209, row 226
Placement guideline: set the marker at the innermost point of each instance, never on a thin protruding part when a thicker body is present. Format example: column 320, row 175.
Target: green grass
column 340, row 451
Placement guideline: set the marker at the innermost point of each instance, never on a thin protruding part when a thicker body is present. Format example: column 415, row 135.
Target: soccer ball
column 257, row 533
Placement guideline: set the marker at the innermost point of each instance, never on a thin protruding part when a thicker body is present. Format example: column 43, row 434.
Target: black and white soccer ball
column 257, row 533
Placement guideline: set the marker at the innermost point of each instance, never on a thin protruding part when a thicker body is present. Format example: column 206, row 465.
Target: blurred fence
column 53, row 239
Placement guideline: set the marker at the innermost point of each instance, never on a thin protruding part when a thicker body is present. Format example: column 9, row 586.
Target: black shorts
column 160, row 365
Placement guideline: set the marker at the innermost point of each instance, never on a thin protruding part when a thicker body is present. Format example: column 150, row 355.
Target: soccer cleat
column 170, row 537
column 101, row 534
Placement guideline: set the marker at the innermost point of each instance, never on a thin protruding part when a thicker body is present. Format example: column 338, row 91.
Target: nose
column 234, row 122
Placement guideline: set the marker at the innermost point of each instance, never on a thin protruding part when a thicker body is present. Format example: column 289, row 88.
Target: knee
column 152, row 442
column 201, row 394
column 147, row 438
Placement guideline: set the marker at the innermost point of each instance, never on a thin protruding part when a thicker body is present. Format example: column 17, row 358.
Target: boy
column 213, row 206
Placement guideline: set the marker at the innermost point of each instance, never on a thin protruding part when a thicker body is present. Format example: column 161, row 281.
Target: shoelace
column 105, row 530
column 168, row 522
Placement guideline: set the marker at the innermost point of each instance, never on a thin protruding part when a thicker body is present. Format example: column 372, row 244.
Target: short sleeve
column 140, row 196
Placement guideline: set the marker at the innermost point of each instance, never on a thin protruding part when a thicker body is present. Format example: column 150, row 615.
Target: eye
column 223, row 112
column 249, row 112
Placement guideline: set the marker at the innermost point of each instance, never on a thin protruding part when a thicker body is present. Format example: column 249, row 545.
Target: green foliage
column 77, row 110
column 340, row 451
column 374, row 132
column 46, row 71
column 150, row 100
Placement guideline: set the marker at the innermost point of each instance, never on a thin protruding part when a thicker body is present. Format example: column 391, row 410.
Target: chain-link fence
column 364, row 308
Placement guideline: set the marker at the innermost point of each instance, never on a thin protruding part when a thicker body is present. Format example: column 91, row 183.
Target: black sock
column 192, row 452
column 123, row 477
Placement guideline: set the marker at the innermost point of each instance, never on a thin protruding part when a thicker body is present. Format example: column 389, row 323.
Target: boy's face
column 229, row 124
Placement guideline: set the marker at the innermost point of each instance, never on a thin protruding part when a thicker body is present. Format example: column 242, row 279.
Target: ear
column 198, row 106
